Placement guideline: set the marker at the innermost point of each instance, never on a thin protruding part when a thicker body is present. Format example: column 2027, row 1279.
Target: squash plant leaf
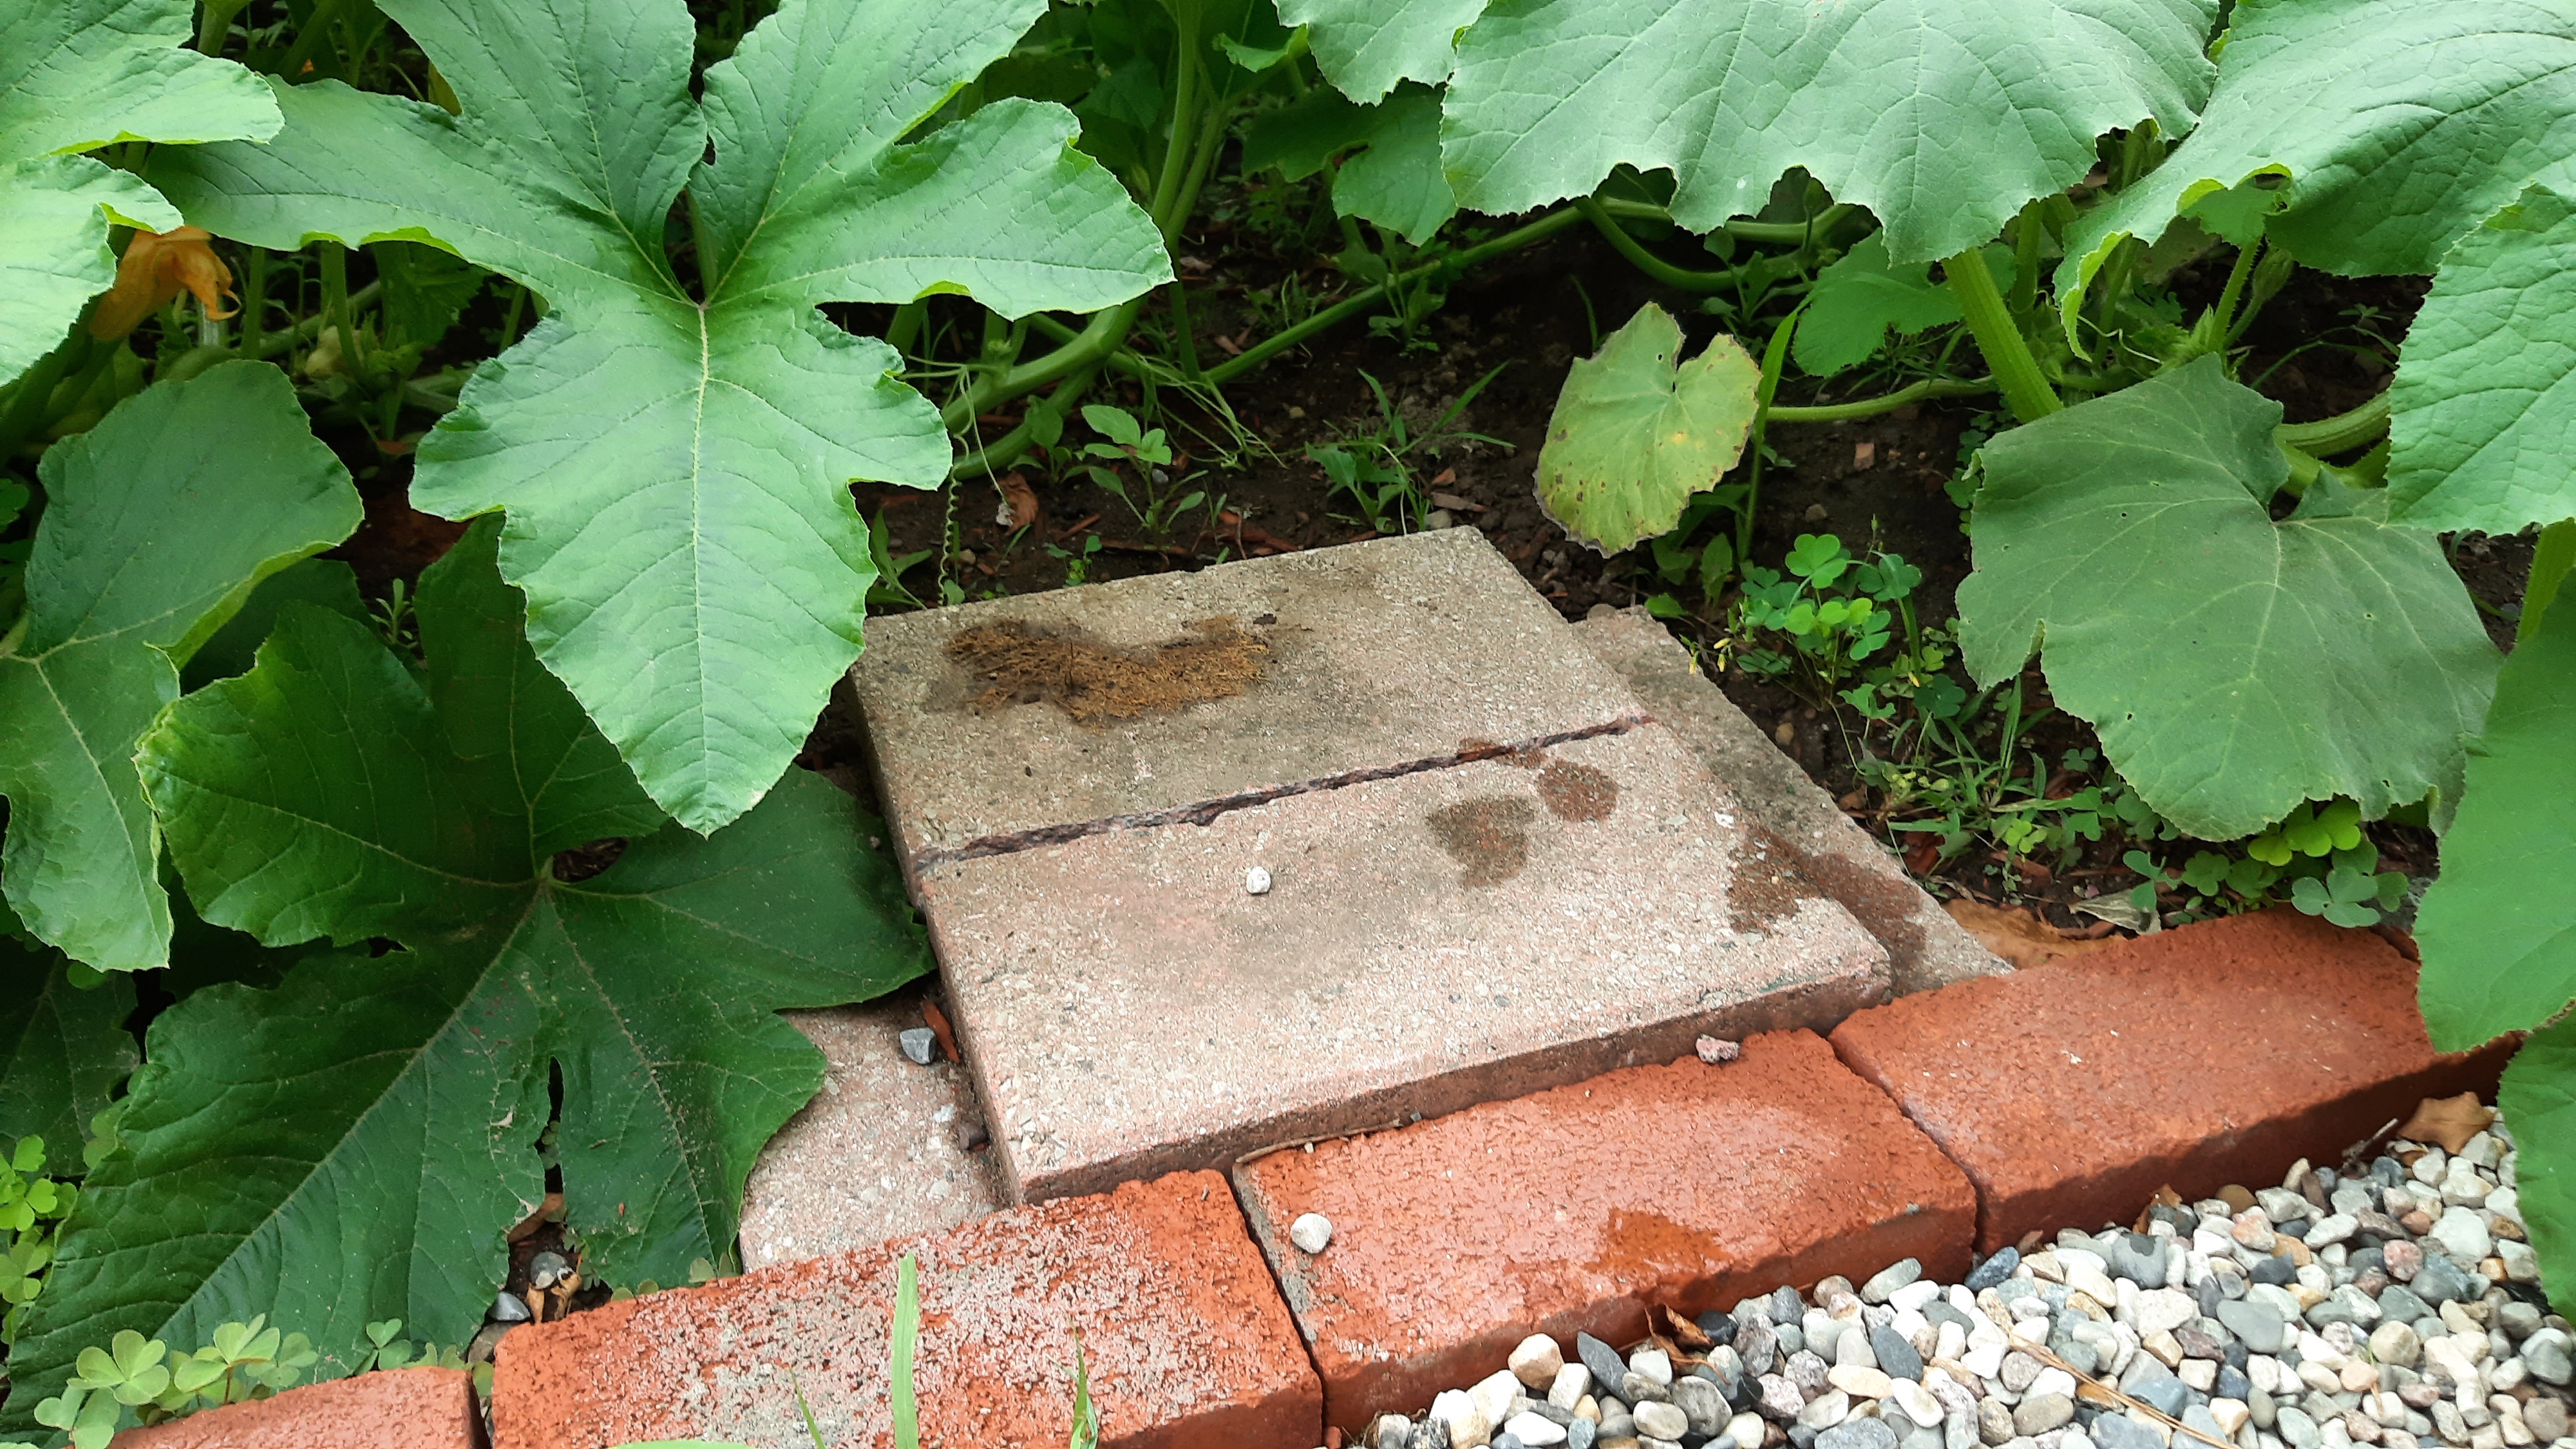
column 2233, row 665
column 163, row 519
column 1942, row 118
column 1859, row 299
column 2363, row 135
column 2484, row 413
column 76, row 75
column 1393, row 177
column 1365, row 46
column 2498, row 930
column 1634, row 435
column 63, row 1048
column 674, row 459
column 354, row 1144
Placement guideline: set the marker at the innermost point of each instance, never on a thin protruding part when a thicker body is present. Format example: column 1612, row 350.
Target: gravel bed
column 2397, row 1307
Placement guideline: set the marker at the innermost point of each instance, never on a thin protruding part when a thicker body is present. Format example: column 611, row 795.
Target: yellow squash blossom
column 157, row 267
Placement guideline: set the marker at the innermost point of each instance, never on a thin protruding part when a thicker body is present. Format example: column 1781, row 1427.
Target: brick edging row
column 1934, row 1126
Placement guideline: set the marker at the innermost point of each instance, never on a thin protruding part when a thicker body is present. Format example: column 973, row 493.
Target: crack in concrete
column 1206, row 811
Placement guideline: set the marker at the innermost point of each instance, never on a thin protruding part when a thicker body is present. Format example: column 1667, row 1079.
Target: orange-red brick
column 1186, row 1339
column 2196, row 1057
column 1580, row 1207
column 423, row 1408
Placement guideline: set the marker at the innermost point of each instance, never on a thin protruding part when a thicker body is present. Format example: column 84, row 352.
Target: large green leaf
column 63, row 1049
column 2233, row 665
column 1942, row 117
column 2485, row 404
column 354, row 1144
column 2498, row 930
column 1365, row 46
column 2384, row 128
column 2538, row 1100
column 1635, row 435
column 1863, row 296
column 1394, row 177
column 76, row 75
column 674, row 461
column 161, row 521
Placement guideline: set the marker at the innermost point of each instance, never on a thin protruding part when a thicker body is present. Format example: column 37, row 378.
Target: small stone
column 1779, row 1398
column 2332, row 1228
column 1859, row 1382
column 919, row 1045
column 2521, row 1264
column 1571, row 1383
column 2546, row 1354
column 1825, row 1410
column 2442, row 1281
column 1388, row 1431
column 1534, row 1431
column 2163, row 1311
column 2403, row 1257
column 1601, row 1360
column 1917, row 1402
column 508, row 1308
column 1311, row 1232
column 2019, row 1371
column 2396, row 1343
column 1652, row 1364
column 2547, row 1419
column 1466, row 1426
column 1581, row 1434
column 1700, row 1401
column 1660, row 1421
column 1493, row 1395
column 1256, row 881
column 1994, row 1270
column 1994, row 1421
column 2042, row 1412
column 547, row 1269
column 1431, row 1433
column 2462, row 1234
column 2119, row 1431
column 1886, row 1281
column 1535, row 1362
column 1895, row 1353
column 2258, row 1324
column 1863, row 1433
column 1636, row 1388
column 1714, row 1050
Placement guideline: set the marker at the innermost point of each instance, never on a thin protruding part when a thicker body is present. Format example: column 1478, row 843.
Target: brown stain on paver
column 1489, row 838
column 1577, row 792
column 1768, row 886
column 1021, row 663
column 1885, row 903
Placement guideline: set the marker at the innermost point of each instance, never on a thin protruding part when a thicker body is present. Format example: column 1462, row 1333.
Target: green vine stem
column 1646, row 261
column 2338, row 434
column 2009, row 357
column 1775, row 358
column 1870, row 407
column 1770, row 233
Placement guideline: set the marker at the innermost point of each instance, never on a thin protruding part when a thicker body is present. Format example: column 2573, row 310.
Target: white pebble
column 1311, row 1232
column 1257, row 880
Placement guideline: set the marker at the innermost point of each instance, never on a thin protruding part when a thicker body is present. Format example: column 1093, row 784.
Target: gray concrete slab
column 1428, row 941
column 877, row 1153
column 1380, row 655
column 1926, row 948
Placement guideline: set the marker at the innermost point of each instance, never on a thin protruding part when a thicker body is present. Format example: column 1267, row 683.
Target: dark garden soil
column 1877, row 484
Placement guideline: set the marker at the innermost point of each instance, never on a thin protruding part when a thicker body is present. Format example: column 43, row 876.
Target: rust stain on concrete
column 1489, row 838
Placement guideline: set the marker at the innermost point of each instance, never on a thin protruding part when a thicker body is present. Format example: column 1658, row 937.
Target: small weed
column 1374, row 469
column 1145, row 453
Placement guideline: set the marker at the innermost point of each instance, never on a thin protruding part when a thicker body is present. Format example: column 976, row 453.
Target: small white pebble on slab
column 1712, row 1050
column 917, row 1044
column 1257, row 880
column 1311, row 1232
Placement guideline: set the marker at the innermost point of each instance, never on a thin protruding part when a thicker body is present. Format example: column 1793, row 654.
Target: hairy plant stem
column 281, row 343
column 2025, row 292
column 2008, row 356
column 1772, row 233
column 1775, row 358
column 2234, row 292
column 1646, row 261
column 2338, row 434
column 1870, row 407
column 2550, row 560
column 335, row 301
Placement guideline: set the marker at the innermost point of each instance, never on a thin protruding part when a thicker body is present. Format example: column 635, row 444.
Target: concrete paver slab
column 877, row 1154
column 1379, row 655
column 1185, row 1337
column 1925, row 947
column 1428, row 941
column 1685, row 1185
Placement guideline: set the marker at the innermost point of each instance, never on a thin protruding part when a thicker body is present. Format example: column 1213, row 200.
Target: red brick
column 422, row 1408
column 2196, row 1057
column 1582, row 1206
column 1187, row 1341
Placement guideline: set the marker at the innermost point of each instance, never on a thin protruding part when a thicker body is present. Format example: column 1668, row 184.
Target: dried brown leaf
column 2448, row 1122
column 2017, row 936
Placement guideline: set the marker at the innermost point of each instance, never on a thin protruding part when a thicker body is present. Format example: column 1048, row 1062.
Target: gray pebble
column 1580, row 1434
column 1858, row 1434
column 2042, row 1412
column 1887, row 1280
column 1664, row 1421
column 2546, row 1354
column 1429, row 1434
column 2258, row 1324
column 1506, row 1440
column 1786, row 1306
column 918, row 1044
column 1703, row 1403
column 506, row 1308
column 1601, row 1359
column 2119, row 1431
column 2441, row 1281
column 1994, row 1270
column 1895, row 1354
